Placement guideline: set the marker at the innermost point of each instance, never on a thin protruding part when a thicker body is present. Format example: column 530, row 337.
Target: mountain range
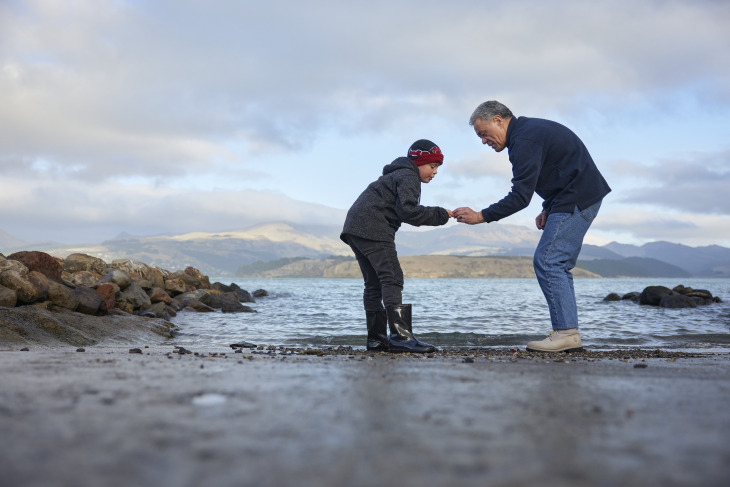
column 224, row 253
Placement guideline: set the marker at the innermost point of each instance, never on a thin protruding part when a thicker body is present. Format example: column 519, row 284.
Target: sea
column 467, row 313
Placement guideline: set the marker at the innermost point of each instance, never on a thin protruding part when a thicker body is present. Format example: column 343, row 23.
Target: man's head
column 427, row 156
column 490, row 121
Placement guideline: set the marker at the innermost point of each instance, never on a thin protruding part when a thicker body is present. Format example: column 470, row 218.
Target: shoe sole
column 564, row 350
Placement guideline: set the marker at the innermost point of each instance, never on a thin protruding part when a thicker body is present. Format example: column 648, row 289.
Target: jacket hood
column 400, row 163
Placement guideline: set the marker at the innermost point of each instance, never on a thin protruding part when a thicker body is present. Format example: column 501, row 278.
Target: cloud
column 72, row 211
column 697, row 183
column 106, row 104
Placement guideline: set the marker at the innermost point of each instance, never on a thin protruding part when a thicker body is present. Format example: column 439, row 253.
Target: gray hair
column 488, row 110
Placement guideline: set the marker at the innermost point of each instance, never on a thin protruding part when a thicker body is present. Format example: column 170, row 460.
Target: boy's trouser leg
column 381, row 272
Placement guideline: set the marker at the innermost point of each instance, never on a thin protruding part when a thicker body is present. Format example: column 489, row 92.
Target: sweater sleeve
column 526, row 158
column 409, row 209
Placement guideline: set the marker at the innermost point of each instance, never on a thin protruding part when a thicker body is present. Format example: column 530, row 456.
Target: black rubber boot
column 377, row 331
column 401, row 334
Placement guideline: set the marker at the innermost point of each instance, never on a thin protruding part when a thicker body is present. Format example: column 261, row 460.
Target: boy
column 370, row 229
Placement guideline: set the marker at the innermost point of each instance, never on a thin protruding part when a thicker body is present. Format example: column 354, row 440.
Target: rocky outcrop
column 87, row 286
column 678, row 297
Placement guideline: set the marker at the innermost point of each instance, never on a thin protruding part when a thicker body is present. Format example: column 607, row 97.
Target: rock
column 82, row 262
column 193, row 277
column 158, row 295
column 58, row 294
column 28, row 325
column 90, row 302
column 135, row 296
column 120, row 278
column 85, row 278
column 200, row 295
column 243, row 295
column 157, row 310
column 633, row 296
column 175, row 287
column 108, row 292
column 652, row 295
column 195, row 305
column 221, row 287
column 231, row 304
column 612, row 297
column 8, row 298
column 140, row 270
column 260, row 293
column 19, row 281
column 676, row 300
column 39, row 262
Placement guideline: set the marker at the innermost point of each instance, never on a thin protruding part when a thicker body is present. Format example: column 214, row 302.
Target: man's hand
column 467, row 215
column 540, row 220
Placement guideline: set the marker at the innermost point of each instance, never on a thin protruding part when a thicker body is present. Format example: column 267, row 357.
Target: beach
column 147, row 414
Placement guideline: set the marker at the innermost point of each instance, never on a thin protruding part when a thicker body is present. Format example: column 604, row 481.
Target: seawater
column 463, row 313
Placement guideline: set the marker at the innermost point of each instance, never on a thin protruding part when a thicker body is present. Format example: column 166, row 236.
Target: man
column 550, row 160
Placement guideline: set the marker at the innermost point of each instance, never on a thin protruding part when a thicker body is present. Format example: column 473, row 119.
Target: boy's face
column 427, row 172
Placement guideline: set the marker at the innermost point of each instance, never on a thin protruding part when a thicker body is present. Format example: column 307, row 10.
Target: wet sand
column 278, row 417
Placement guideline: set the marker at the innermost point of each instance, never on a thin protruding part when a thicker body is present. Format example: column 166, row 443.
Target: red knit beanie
column 424, row 151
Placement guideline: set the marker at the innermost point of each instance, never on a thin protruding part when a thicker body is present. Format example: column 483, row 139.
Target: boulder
column 82, row 262
column 676, row 300
column 195, row 305
column 90, row 302
column 633, row 296
column 201, row 295
column 260, row 293
column 175, row 287
column 140, row 271
column 158, row 310
column 243, row 295
column 118, row 277
column 652, row 295
column 135, row 296
column 84, row 278
column 56, row 293
column 158, row 295
column 8, row 298
column 200, row 279
column 39, row 262
column 108, row 292
column 25, row 290
column 612, row 297
column 231, row 304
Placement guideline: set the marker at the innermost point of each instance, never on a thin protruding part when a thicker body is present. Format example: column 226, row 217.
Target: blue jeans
column 555, row 256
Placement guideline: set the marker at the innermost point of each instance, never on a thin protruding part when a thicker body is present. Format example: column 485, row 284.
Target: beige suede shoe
column 558, row 341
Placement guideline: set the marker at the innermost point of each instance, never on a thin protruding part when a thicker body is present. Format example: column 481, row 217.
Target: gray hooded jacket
column 389, row 201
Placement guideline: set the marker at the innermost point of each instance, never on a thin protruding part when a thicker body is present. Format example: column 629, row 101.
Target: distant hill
column 633, row 267
column 711, row 260
column 224, row 253
column 422, row 266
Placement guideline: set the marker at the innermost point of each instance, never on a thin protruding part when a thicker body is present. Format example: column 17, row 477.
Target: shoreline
column 339, row 416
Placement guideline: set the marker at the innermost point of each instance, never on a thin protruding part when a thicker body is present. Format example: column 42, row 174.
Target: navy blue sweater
column 392, row 199
column 550, row 160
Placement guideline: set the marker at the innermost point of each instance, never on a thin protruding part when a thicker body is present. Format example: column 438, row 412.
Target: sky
column 174, row 116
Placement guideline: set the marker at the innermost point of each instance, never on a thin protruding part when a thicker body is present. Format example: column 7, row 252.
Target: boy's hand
column 466, row 215
column 451, row 213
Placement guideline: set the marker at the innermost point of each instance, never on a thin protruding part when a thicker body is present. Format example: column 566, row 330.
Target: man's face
column 492, row 132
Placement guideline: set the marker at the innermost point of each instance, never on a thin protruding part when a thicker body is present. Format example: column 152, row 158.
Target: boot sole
column 565, row 350
column 412, row 351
